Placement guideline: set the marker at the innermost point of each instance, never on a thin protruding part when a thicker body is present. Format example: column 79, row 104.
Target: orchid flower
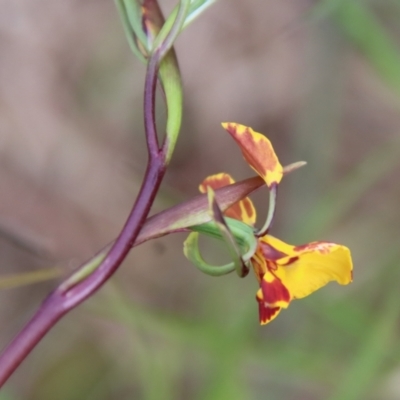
column 284, row 272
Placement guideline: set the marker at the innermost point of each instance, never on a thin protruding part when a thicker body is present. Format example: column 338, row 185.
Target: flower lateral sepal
column 241, row 267
column 192, row 252
column 242, row 234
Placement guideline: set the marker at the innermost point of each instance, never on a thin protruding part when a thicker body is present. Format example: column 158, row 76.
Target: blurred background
column 321, row 79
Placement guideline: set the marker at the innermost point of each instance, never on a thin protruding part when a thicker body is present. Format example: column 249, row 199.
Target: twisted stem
column 64, row 299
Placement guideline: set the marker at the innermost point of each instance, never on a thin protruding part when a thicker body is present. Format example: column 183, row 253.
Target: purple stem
column 60, row 302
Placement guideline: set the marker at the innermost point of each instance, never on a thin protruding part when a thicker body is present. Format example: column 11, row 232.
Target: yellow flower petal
column 243, row 210
column 313, row 266
column 257, row 150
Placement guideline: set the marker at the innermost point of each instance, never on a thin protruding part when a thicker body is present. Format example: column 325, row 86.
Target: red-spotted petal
column 275, row 293
column 265, row 311
column 243, row 210
column 257, row 150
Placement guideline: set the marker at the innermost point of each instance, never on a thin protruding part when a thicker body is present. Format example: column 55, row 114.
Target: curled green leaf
column 219, row 220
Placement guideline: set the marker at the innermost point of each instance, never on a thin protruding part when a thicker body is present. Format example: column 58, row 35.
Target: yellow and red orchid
column 284, row 272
